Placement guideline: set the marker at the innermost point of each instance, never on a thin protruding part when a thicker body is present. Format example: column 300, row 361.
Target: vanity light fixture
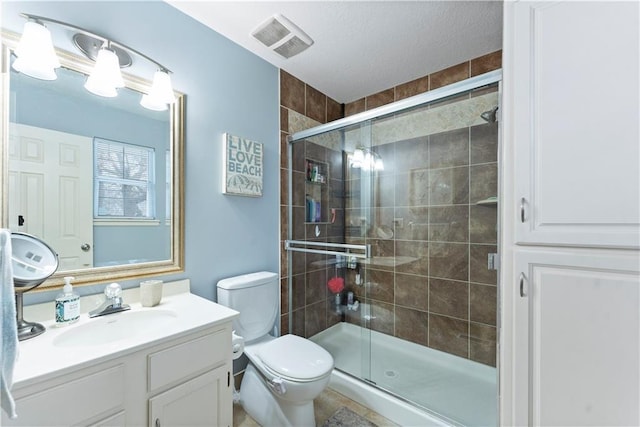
column 364, row 158
column 35, row 57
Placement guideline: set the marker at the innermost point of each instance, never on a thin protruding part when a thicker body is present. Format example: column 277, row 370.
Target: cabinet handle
column 522, row 202
column 157, row 422
column 522, row 278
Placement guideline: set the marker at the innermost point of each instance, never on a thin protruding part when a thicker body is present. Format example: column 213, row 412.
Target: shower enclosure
column 392, row 243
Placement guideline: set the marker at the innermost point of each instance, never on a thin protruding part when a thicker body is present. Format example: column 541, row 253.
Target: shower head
column 490, row 116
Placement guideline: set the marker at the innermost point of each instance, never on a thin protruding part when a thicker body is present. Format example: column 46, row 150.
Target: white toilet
column 284, row 374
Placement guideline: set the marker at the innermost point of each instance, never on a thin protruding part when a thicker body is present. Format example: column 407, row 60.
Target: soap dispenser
column 67, row 304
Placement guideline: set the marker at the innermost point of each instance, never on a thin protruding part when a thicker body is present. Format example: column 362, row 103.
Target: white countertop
column 40, row 358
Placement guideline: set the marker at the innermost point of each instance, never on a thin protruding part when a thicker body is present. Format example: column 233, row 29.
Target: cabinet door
column 577, row 338
column 79, row 399
column 571, row 75
column 203, row 401
column 116, row 420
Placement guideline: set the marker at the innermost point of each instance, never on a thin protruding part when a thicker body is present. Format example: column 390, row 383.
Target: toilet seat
column 295, row 358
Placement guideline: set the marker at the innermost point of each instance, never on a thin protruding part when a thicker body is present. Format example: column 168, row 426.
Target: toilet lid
column 295, row 357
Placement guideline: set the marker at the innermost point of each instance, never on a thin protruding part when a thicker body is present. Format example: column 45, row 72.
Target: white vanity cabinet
column 185, row 380
column 195, row 403
column 570, row 271
column 91, row 396
column 203, row 400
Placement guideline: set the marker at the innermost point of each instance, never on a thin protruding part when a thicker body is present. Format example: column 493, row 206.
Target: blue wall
column 228, row 89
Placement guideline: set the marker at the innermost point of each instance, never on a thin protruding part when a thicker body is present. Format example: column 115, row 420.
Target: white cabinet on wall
column 576, row 123
column 570, row 276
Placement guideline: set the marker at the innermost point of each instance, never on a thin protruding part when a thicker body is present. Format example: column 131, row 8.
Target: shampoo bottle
column 67, row 304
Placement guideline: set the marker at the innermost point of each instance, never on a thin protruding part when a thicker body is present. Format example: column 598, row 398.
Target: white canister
column 150, row 292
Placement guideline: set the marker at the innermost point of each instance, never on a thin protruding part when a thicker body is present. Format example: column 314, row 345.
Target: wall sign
column 242, row 169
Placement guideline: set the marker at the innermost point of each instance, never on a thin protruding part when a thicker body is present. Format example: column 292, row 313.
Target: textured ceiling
column 362, row 47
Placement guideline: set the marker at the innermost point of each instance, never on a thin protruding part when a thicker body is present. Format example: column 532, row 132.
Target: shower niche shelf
column 316, row 191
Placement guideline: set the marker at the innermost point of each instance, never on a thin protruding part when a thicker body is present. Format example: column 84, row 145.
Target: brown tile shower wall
column 310, row 272
column 298, row 97
column 448, row 306
column 456, row 73
column 439, row 292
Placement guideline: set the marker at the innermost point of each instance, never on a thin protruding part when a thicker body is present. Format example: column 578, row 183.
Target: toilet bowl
column 288, row 373
column 284, row 374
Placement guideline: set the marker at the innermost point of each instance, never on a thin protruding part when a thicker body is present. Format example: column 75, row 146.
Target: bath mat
column 345, row 417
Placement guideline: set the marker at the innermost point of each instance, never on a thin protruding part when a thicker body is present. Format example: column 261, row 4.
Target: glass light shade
column 35, row 53
column 367, row 163
column 378, row 165
column 161, row 92
column 106, row 76
column 358, row 155
column 150, row 103
column 162, row 88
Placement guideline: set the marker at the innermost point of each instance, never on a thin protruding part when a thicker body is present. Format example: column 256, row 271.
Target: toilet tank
column 256, row 297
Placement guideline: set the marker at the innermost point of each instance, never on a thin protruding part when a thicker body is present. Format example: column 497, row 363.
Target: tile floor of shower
column 460, row 391
column 325, row 405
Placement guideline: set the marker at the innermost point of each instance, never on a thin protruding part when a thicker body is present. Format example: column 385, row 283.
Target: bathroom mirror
column 61, row 147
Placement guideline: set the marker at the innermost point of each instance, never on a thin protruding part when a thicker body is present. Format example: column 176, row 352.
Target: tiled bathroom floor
column 325, row 405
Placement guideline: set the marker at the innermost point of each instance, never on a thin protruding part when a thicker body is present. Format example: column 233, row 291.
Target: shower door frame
column 466, row 85
column 398, row 106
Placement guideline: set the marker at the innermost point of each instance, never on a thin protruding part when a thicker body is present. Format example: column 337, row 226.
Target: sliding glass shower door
column 393, row 249
column 330, row 209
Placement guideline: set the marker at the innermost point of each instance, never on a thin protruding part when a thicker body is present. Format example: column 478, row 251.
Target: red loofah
column 336, row 284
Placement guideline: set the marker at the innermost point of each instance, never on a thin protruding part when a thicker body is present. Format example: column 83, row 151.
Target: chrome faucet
column 112, row 303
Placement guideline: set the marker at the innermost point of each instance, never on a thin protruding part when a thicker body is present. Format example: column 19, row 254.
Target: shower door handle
column 522, row 279
column 357, row 251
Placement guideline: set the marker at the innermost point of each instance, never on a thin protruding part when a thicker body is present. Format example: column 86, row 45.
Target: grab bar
column 290, row 245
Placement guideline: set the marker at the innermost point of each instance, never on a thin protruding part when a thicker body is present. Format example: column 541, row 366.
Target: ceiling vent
column 282, row 36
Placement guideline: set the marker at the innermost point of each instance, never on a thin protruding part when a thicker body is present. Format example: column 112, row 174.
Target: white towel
column 9, row 330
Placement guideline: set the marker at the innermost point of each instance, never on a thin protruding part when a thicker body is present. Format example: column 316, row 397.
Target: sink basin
column 114, row 327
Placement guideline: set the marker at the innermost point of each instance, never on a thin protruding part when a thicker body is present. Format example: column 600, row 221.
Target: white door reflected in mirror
column 49, row 191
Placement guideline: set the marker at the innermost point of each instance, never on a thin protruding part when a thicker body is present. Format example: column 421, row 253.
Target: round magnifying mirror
column 32, row 261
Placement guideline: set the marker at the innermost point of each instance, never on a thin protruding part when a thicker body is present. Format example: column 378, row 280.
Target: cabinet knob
column 522, row 203
column 157, row 423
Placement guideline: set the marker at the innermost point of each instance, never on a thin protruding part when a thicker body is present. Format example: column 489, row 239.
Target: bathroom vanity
column 159, row 366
